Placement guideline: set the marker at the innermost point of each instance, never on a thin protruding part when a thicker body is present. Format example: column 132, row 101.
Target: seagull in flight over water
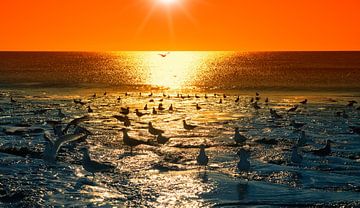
column 163, row 55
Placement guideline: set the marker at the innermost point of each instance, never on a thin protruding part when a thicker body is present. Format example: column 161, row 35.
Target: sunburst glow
column 167, row 1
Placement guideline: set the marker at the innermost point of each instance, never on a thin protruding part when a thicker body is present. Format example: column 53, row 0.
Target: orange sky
column 246, row 25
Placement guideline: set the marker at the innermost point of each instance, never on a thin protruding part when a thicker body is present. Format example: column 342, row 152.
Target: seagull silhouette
column 94, row 166
column 154, row 131
column 53, row 145
column 131, row 142
column 188, row 126
column 244, row 164
column 202, row 159
column 163, row 55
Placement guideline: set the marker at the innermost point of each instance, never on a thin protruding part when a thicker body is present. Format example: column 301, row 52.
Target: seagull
column 12, row 100
column 302, row 139
column 145, row 107
column 206, row 97
column 244, row 163
column 256, row 106
column 131, row 142
column 125, row 111
column 196, row 96
column 94, row 95
column 124, row 119
column 257, row 94
column 154, row 111
column 118, row 99
column 94, row 166
column 151, row 100
column 293, row 109
column 351, row 103
column 295, row 156
column 274, row 114
column 105, row 93
column 202, row 159
column 171, row 107
column 162, row 139
column 61, row 114
column 153, row 130
column 139, row 114
column 323, row 151
column 251, row 100
column 90, row 110
column 266, row 101
column 238, row 137
column 163, row 55
column 237, row 99
column 160, row 107
column 220, row 101
column 151, row 94
column 188, row 126
column 224, row 96
column 296, row 125
column 75, row 122
column 198, row 107
column 304, row 102
column 52, row 146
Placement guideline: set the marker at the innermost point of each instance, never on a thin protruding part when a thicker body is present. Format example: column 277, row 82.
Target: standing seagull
column 94, row 166
column 244, row 163
column 323, row 151
column 238, row 137
column 154, row 131
column 293, row 109
column 131, row 142
column 188, row 126
column 202, row 159
column 295, row 156
column 162, row 139
column 198, row 107
column 52, row 146
column 304, row 102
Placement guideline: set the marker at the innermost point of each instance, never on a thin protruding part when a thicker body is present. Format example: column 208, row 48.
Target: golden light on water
column 174, row 69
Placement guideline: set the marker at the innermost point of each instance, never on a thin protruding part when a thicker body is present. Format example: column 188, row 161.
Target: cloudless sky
column 245, row 25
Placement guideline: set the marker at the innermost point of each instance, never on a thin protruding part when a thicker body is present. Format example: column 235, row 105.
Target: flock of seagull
column 73, row 132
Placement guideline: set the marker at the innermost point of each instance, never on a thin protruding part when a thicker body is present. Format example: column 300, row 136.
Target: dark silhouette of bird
column 206, row 97
column 131, row 142
column 138, row 113
column 293, row 109
column 123, row 119
column 237, row 99
column 171, row 107
column 202, row 159
column 160, row 107
column 304, row 102
column 125, row 111
column 220, row 101
column 224, row 96
column 274, row 114
column 256, row 106
column 163, row 55
column 238, row 138
column 296, row 125
column 162, row 139
column 323, row 151
column 154, row 131
column 154, row 111
column 145, row 107
column 198, row 107
column 94, row 166
column 188, row 126
column 351, row 103
column 12, row 100
column 89, row 109
column 257, row 94
column 196, row 96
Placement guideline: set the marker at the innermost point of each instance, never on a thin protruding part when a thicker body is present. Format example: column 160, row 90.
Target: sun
column 167, row 1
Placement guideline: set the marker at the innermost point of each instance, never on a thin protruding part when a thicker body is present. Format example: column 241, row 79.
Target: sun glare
column 167, row 1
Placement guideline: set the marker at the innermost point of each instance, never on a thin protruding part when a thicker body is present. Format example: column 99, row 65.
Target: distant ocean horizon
column 202, row 70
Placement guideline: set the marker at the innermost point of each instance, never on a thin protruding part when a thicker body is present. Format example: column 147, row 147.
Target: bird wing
column 48, row 137
column 75, row 122
column 65, row 139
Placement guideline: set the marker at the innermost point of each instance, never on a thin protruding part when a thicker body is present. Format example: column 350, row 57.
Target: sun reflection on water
column 175, row 70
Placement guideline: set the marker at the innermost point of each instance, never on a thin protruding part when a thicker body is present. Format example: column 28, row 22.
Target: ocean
column 231, row 89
